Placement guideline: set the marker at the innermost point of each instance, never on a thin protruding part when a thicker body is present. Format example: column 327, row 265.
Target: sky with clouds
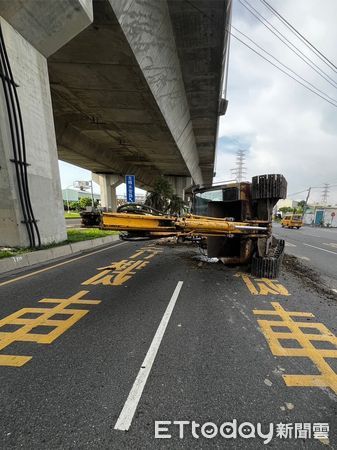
column 284, row 128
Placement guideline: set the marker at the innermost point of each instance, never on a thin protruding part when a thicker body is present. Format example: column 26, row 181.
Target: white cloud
column 285, row 128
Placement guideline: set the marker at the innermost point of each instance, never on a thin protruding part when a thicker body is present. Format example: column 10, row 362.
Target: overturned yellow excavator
column 232, row 221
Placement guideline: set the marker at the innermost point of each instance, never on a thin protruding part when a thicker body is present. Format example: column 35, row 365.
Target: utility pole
column 307, row 199
column 67, row 196
column 92, row 194
column 325, row 193
column 240, row 169
column 306, row 202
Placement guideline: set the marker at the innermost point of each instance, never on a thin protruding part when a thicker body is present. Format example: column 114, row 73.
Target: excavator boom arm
column 189, row 224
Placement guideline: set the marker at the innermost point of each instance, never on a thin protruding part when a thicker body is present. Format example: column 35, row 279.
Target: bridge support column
column 108, row 184
column 179, row 184
column 31, row 207
column 29, row 175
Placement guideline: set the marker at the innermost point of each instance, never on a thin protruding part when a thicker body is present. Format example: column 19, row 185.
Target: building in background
column 286, row 203
column 73, row 195
column 321, row 215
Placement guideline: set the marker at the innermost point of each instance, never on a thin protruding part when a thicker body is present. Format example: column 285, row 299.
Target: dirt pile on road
column 308, row 276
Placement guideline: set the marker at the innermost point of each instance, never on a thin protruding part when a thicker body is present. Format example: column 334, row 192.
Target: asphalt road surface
column 73, row 223
column 133, row 334
column 316, row 247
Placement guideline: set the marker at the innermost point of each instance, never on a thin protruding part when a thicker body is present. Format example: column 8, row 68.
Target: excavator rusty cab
column 244, row 202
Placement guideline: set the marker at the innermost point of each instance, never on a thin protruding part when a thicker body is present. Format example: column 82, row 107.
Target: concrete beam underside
column 199, row 30
column 106, row 117
column 122, row 108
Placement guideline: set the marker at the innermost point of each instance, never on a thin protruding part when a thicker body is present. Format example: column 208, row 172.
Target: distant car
column 292, row 221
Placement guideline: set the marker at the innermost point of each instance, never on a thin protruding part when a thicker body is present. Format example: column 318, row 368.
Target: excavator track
column 269, row 266
column 273, row 186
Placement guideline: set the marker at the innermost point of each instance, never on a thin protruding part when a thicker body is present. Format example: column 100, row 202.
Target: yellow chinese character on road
column 150, row 250
column 119, row 272
column 116, row 273
column 27, row 321
column 263, row 286
column 306, row 334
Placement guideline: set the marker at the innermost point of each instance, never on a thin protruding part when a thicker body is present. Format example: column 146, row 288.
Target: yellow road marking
column 119, row 272
column 327, row 376
column 44, row 318
column 153, row 251
column 12, row 280
column 264, row 286
column 248, row 282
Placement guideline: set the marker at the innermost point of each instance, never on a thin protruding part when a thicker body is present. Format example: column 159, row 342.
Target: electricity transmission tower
column 325, row 193
column 239, row 170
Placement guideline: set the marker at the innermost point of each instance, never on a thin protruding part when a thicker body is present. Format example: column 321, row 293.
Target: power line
column 295, row 193
column 283, row 39
column 304, row 57
column 314, row 187
column 263, row 57
column 314, row 49
column 283, row 71
column 283, row 65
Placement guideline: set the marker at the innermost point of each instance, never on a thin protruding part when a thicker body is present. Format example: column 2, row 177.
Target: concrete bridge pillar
column 179, row 184
column 108, row 184
column 31, row 206
column 29, row 185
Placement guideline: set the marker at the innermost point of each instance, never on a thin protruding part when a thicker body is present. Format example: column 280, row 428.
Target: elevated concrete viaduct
column 113, row 86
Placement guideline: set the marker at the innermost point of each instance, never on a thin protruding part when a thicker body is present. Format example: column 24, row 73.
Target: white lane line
column 330, row 244
column 304, row 257
column 125, row 418
column 319, row 248
column 320, row 236
column 288, row 244
column 334, row 290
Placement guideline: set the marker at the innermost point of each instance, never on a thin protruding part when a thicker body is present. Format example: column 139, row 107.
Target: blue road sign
column 130, row 188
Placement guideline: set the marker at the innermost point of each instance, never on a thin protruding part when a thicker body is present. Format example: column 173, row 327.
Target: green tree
column 74, row 206
column 177, row 205
column 286, row 209
column 163, row 199
column 84, row 202
column 159, row 197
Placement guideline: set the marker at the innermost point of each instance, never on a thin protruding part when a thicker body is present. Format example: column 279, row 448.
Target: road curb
column 40, row 256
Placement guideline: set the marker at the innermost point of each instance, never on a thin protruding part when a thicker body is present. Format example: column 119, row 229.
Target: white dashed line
column 125, row 418
column 330, row 244
column 288, row 244
column 319, row 248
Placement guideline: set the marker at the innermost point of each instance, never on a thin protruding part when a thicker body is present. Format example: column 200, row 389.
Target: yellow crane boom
column 186, row 225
